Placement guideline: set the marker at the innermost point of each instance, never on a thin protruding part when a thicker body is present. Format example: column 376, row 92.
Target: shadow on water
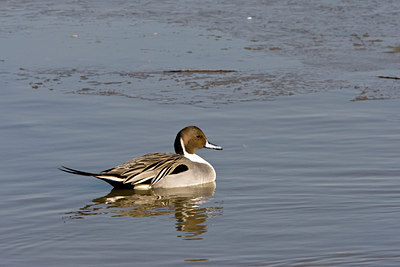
column 183, row 203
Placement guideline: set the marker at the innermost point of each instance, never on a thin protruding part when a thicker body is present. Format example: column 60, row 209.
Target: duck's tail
column 117, row 182
column 73, row 171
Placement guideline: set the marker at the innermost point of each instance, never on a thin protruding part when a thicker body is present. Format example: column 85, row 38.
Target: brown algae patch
column 395, row 49
column 204, row 87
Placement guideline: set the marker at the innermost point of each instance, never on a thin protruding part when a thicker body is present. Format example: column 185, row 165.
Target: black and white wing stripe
column 151, row 167
column 148, row 169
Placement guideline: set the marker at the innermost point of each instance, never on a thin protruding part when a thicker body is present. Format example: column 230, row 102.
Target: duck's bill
column 212, row 146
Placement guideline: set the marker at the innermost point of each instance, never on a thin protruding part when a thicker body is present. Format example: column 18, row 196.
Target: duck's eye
column 199, row 136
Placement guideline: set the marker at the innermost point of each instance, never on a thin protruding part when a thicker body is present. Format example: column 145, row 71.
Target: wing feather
column 151, row 166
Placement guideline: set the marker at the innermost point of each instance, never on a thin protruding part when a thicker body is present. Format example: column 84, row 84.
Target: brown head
column 191, row 138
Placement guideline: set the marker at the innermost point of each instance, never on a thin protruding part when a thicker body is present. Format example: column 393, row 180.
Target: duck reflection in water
column 184, row 203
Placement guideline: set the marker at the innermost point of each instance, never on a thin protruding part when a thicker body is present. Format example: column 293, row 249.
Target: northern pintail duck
column 163, row 170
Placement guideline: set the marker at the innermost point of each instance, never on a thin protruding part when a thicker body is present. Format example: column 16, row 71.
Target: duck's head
column 191, row 138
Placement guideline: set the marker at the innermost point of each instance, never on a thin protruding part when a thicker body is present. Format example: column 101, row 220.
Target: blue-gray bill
column 212, row 146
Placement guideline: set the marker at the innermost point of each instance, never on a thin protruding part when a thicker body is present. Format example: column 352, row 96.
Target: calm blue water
column 309, row 174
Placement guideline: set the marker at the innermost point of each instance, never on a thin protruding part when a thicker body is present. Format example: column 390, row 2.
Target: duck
column 163, row 170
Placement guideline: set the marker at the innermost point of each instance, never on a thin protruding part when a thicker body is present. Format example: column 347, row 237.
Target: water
column 309, row 171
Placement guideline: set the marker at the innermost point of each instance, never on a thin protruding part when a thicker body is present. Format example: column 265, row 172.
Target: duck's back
column 146, row 166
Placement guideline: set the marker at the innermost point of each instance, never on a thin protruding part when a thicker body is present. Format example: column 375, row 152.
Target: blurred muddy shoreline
column 276, row 48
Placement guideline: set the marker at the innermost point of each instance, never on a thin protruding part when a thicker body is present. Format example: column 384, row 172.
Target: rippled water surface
column 303, row 96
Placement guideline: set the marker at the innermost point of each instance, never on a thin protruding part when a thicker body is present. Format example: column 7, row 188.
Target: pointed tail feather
column 115, row 181
column 73, row 171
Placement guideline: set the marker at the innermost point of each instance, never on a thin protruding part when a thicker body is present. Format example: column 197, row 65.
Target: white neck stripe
column 192, row 157
column 184, row 148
